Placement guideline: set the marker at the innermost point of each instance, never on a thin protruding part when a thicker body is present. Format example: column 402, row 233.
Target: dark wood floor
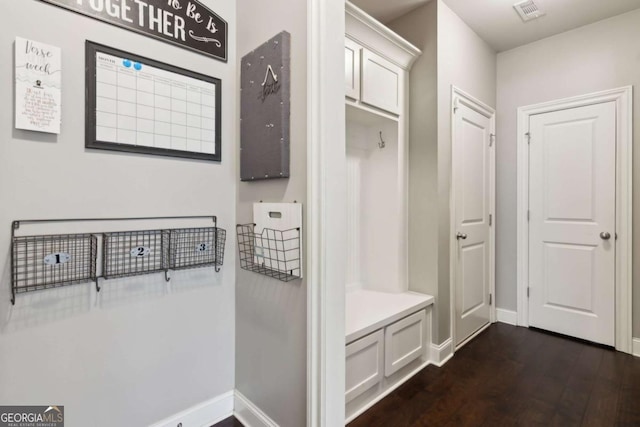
column 515, row 376
column 512, row 376
column 229, row 422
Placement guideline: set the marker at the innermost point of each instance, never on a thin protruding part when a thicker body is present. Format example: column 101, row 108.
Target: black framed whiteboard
column 139, row 105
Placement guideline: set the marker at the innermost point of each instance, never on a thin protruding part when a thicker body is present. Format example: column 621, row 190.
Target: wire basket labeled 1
column 273, row 253
column 50, row 261
column 131, row 253
column 197, row 247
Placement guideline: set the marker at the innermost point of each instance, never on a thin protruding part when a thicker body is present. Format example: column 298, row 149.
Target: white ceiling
column 498, row 23
column 387, row 10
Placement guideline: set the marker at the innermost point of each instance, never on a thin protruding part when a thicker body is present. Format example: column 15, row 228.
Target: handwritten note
column 38, row 86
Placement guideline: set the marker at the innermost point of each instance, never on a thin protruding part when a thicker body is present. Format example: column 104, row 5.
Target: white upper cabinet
column 352, row 58
column 377, row 63
column 381, row 81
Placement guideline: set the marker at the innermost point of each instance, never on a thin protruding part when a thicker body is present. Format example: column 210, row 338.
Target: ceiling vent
column 528, row 10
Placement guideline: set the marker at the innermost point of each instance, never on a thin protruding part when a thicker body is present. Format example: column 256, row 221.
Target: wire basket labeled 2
column 131, row 253
column 273, row 253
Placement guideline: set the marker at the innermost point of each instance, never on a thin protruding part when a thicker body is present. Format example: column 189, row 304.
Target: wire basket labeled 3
column 197, row 247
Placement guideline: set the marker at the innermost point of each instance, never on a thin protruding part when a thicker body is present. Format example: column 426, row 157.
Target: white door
column 472, row 193
column 572, row 222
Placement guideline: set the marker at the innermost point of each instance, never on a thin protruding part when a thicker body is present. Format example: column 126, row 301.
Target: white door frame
column 326, row 213
column 623, row 97
column 459, row 96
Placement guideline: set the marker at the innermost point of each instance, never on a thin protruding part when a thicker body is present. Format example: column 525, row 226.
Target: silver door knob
column 462, row 236
column 605, row 235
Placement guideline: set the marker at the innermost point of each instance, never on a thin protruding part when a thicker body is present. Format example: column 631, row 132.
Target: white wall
column 596, row 57
column 420, row 28
column 141, row 350
column 271, row 316
column 457, row 52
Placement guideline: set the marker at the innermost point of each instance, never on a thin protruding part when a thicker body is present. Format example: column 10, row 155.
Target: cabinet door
column 404, row 342
column 381, row 81
column 364, row 367
column 352, row 53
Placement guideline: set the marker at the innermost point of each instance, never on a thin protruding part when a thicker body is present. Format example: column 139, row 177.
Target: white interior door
column 572, row 192
column 472, row 193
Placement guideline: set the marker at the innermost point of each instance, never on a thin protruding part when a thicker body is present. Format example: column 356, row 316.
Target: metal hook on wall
column 382, row 143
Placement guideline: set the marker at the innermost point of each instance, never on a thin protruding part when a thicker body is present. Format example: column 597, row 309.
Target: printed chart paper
column 138, row 104
column 38, row 86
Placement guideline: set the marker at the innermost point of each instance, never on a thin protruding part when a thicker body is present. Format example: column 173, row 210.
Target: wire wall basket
column 273, row 253
column 197, row 247
column 51, row 261
column 131, row 253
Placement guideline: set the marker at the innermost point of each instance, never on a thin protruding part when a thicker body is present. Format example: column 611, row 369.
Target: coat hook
column 167, row 278
column 382, row 143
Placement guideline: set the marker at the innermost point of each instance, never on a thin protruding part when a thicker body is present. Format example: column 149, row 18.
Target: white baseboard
column 507, row 316
column 636, row 347
column 204, row 414
column 440, row 354
column 249, row 414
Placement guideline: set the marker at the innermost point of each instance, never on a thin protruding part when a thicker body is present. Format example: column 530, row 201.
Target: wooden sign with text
column 186, row 23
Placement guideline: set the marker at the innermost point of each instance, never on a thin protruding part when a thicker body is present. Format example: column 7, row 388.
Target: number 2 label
column 140, row 252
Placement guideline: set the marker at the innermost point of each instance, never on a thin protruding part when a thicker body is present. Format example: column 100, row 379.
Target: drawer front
column 364, row 365
column 352, row 58
column 404, row 342
column 381, row 82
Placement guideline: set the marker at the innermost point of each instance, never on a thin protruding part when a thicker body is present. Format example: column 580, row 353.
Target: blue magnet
column 137, row 66
column 126, row 63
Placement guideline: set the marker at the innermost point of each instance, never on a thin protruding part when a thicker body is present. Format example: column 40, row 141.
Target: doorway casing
column 623, row 97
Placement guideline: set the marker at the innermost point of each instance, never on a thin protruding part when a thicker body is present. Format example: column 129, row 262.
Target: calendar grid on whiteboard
column 143, row 104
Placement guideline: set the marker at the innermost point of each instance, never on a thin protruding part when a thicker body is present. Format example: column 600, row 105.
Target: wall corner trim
column 636, row 347
column 249, row 414
column 507, row 316
column 440, row 354
column 206, row 413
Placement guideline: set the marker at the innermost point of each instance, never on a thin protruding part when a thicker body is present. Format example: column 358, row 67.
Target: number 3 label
column 140, row 252
column 202, row 247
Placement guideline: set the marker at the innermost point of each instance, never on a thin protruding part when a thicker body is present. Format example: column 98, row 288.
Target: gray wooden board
column 265, row 110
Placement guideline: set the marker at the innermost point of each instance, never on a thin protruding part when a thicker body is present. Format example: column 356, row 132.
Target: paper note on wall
column 38, row 86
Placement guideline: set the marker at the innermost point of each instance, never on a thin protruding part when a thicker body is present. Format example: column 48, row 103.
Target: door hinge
column 528, row 215
column 528, row 292
column 490, row 299
column 492, row 139
column 528, row 135
column 490, row 220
